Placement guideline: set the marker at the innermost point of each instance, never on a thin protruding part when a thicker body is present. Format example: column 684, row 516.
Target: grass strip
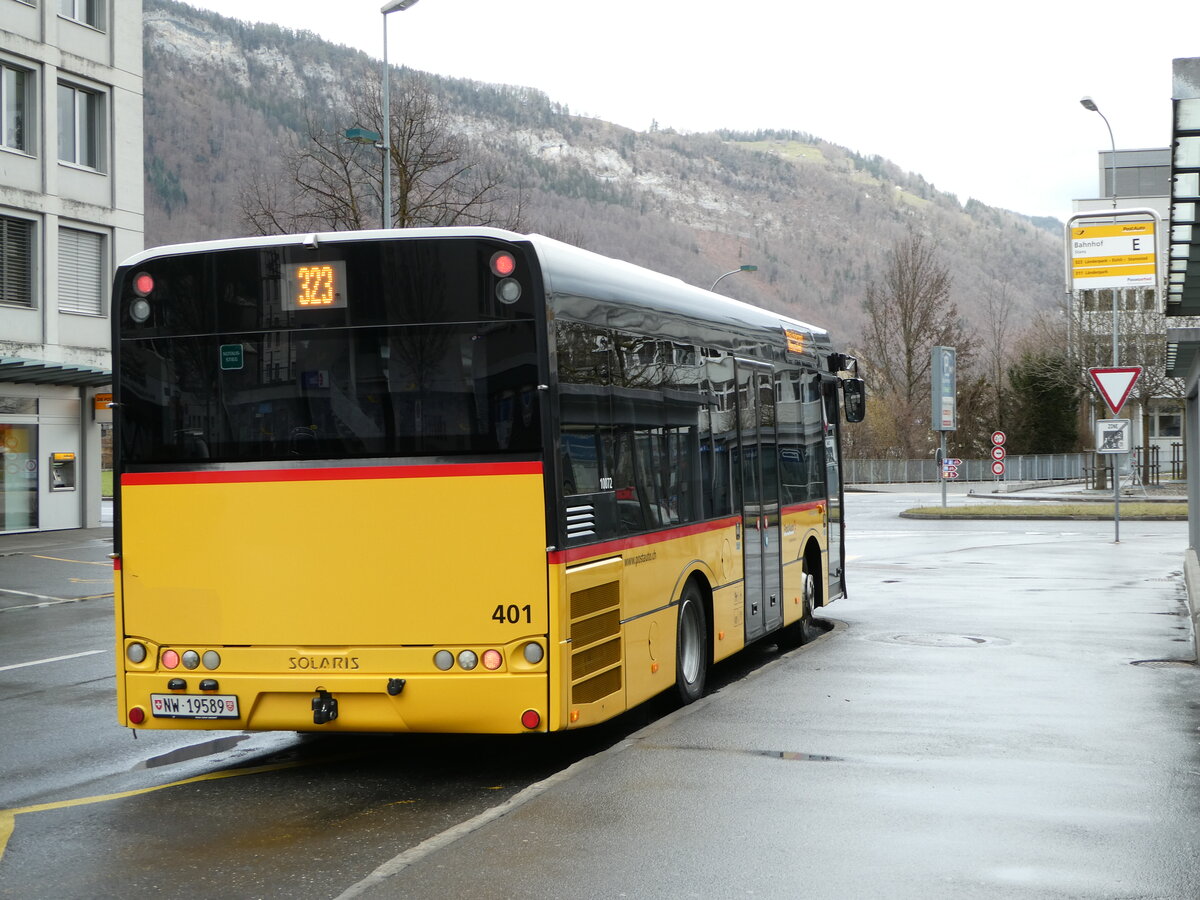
column 1130, row 510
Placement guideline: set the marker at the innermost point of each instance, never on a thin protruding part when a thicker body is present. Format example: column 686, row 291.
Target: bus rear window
column 330, row 394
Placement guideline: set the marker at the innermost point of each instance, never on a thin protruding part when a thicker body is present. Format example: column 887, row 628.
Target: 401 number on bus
column 513, row 614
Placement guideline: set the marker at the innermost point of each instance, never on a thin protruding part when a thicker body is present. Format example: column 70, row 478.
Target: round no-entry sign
column 998, row 438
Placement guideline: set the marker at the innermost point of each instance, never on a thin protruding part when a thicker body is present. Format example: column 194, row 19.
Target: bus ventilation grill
column 581, row 521
column 595, row 642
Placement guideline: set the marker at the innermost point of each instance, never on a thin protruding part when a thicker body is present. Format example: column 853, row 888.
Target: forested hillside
column 225, row 99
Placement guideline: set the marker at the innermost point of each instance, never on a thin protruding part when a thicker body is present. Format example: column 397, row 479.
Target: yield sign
column 1115, row 384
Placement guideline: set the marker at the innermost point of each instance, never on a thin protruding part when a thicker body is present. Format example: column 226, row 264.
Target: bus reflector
column 531, row 718
column 137, row 715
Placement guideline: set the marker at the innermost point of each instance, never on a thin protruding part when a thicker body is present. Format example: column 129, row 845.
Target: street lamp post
column 733, row 272
column 1090, row 104
column 393, row 6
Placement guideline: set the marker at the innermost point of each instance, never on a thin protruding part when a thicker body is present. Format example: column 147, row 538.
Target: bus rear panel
column 331, row 508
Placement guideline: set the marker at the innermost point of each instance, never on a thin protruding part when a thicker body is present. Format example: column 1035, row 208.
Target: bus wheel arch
column 693, row 643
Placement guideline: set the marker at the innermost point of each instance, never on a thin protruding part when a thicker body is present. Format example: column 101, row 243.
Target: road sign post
column 943, row 370
column 1114, row 384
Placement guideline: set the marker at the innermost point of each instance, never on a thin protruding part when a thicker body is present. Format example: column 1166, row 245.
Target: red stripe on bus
column 574, row 554
column 340, row 473
column 803, row 507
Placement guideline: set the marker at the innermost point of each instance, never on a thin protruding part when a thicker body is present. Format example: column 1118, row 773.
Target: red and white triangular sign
column 1115, row 384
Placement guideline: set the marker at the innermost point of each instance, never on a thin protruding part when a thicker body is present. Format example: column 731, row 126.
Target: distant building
column 1143, row 179
column 70, row 208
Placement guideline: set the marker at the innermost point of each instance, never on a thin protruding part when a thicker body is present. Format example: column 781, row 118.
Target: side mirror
column 854, row 399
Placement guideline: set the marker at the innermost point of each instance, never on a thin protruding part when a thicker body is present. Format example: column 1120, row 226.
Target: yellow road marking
column 8, row 816
column 82, row 562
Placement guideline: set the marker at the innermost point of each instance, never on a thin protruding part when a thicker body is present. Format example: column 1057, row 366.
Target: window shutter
column 80, row 272
column 16, row 261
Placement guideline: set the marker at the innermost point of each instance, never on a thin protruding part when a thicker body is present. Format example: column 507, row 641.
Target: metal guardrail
column 1034, row 467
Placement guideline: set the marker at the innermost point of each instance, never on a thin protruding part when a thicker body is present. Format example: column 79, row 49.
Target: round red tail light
column 143, row 284
column 503, row 264
column 531, row 718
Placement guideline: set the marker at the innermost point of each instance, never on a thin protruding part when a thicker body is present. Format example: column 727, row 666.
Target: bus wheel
column 691, row 645
column 802, row 630
column 808, row 599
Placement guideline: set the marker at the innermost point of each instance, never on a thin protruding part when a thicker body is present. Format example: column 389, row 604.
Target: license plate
column 194, row 706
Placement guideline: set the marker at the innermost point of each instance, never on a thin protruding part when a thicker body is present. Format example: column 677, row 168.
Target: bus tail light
column 492, row 659
column 534, row 653
column 136, row 653
column 503, row 264
column 531, row 718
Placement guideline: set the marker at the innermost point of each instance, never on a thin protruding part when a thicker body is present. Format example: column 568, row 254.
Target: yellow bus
column 455, row 480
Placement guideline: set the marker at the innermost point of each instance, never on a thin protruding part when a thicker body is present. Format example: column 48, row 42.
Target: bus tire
column 691, row 645
column 803, row 630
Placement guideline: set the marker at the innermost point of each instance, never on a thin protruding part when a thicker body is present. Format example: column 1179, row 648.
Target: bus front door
column 762, row 546
column 833, row 486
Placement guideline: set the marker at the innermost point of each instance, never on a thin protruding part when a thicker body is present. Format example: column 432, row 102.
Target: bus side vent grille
column 596, row 648
column 581, row 521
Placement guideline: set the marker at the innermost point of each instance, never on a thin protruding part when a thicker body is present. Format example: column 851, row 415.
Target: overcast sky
column 982, row 99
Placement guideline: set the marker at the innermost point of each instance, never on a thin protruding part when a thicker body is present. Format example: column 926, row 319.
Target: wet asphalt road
column 999, row 711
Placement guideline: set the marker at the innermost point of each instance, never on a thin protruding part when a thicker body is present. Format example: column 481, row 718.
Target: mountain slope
column 224, row 98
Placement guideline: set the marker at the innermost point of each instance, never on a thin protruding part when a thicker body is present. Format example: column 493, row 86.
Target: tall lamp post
column 733, row 272
column 393, row 6
column 1090, row 104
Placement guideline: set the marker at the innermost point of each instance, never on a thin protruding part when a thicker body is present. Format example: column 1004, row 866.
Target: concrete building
column 71, row 207
column 1183, row 286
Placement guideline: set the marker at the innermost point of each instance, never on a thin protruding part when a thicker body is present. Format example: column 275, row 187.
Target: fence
column 1034, row 467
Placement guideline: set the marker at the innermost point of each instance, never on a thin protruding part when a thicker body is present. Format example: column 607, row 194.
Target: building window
column 89, row 12
column 16, row 105
column 80, row 271
column 16, row 261
column 80, row 126
column 1167, row 424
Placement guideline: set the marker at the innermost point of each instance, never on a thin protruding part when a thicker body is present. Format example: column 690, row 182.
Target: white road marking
column 40, row 662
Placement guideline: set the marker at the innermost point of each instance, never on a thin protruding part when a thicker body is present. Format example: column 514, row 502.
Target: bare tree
column 327, row 182
column 910, row 312
column 997, row 311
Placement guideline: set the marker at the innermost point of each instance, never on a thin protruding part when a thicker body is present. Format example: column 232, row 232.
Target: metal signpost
column 1113, row 250
column 943, row 378
column 1112, row 435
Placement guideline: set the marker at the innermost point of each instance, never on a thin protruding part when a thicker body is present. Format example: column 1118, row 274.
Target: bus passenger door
column 833, row 489
column 762, row 546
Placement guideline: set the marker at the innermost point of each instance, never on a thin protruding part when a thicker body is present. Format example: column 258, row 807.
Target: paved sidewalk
column 1003, row 711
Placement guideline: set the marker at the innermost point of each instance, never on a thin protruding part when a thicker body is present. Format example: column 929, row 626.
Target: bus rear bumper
column 470, row 703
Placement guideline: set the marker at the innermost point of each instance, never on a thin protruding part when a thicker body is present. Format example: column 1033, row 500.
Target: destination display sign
column 1119, row 255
